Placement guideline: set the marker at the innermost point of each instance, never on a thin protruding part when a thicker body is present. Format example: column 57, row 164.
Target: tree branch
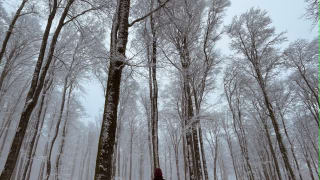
column 74, row 17
column 148, row 14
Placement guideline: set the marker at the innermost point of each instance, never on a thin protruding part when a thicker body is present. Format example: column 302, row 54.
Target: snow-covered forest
column 115, row 89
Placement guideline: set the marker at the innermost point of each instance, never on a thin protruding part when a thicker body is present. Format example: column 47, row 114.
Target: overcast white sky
column 286, row 16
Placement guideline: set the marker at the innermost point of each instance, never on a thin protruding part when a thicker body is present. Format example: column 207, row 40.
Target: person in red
column 158, row 174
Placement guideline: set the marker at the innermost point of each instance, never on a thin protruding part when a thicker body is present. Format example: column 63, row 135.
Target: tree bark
column 192, row 151
column 197, row 102
column 119, row 39
column 153, row 86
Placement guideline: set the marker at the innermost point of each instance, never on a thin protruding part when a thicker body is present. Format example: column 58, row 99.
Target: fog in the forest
column 116, row 89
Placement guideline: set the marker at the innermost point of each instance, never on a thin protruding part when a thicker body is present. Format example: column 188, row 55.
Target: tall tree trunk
column 47, row 97
column 275, row 124
column 74, row 162
column 290, row 142
column 153, row 86
column 150, row 147
column 190, row 153
column 215, row 155
column 46, row 147
column 176, row 156
column 184, row 151
column 5, row 72
column 64, row 132
column 240, row 132
column 119, row 39
column 141, row 162
column 119, row 161
column 42, row 166
column 165, row 163
column 116, row 157
column 89, row 164
column 273, row 154
column 197, row 103
column 235, row 167
column 35, row 89
column 203, row 155
column 196, row 147
column 86, row 154
column 37, row 128
column 56, row 131
column 130, row 155
column 306, row 157
column 17, row 173
column 170, row 164
column 10, row 29
column 125, row 171
column 8, row 121
column 192, row 140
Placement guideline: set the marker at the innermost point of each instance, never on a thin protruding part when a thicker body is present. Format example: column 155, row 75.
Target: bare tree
column 312, row 11
column 118, row 44
column 257, row 42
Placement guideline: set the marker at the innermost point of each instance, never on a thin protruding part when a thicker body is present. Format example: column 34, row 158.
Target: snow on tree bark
column 119, row 39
